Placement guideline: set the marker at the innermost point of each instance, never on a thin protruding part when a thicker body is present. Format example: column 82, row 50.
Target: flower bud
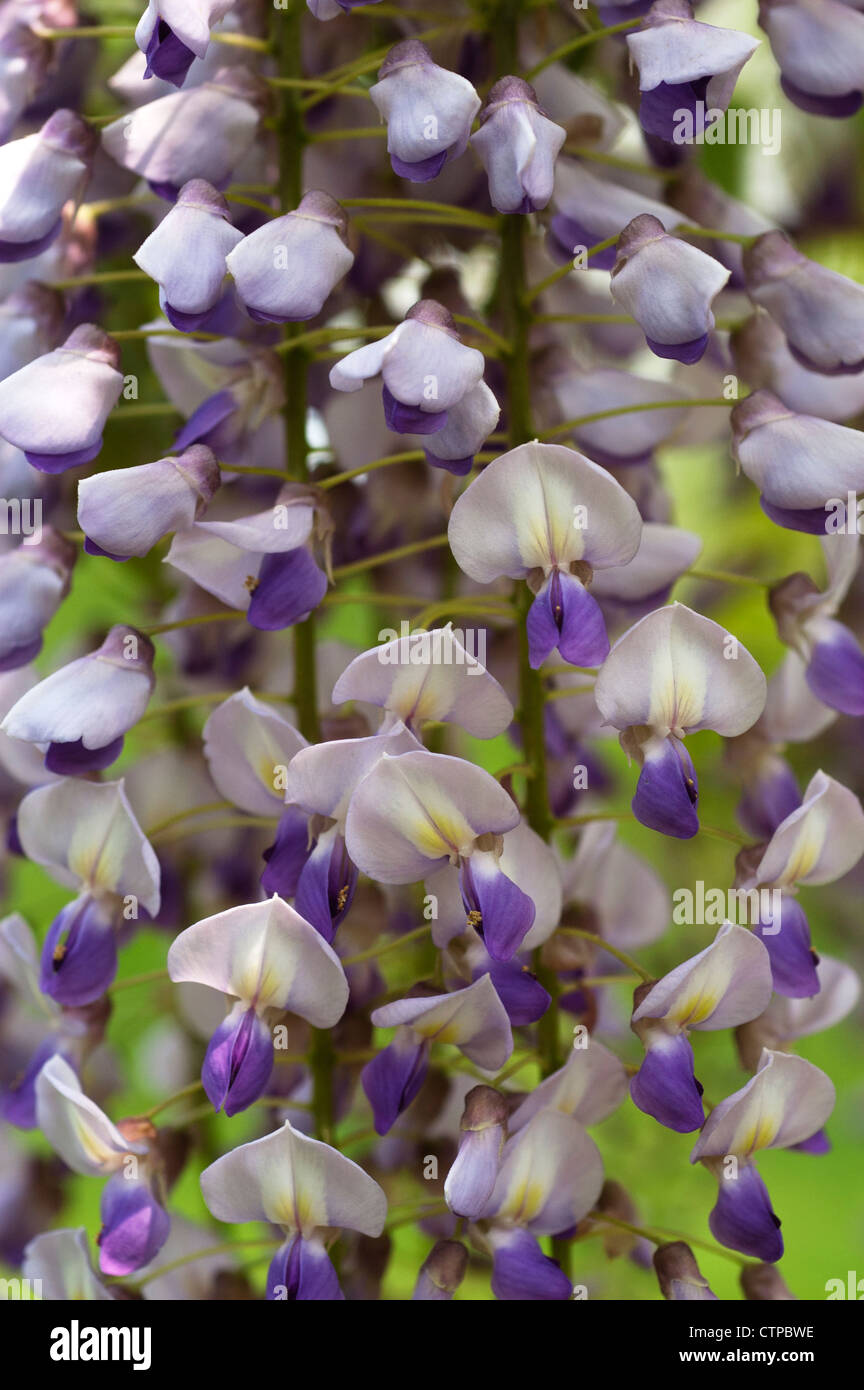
column 518, row 145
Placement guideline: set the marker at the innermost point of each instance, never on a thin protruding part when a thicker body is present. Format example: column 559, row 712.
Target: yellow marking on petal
column 761, row 1133
column 526, row 1200
column 93, row 1147
column 696, row 1005
column 805, row 852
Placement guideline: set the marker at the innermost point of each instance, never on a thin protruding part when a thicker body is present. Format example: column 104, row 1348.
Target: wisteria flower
column 429, row 111
column 518, row 145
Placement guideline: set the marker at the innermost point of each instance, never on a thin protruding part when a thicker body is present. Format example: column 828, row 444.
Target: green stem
column 584, row 39
column 580, row 420
column 145, row 978
column 400, row 552
column 418, row 934
column 612, row 950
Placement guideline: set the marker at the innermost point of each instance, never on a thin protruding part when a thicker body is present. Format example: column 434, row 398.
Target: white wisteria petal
column 818, row 843
column 538, row 506
column 96, row 699
column 472, row 1019
column 74, row 1125
column 86, row 835
column 127, row 510
column 322, row 779
column 591, row 1085
column 60, row 1263
column 550, row 1176
column 428, row 676
column 671, row 671
column 267, row 955
column 665, row 553
column 631, row 901
column 247, row 743
column 726, row 984
column 786, row 1102
column 295, row 1182
column 420, row 809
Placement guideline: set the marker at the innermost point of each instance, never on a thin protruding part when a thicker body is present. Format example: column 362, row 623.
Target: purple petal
column 768, row 801
column 564, row 615
column 73, row 759
column 325, row 889
column 818, row 1144
column 810, row 520
column 458, row 467
column 521, row 1271
column 287, row 855
column 204, row 421
column 300, row 1272
column 14, row 251
column 667, row 792
column 21, row 656
column 688, row 353
column 501, row 914
column 18, row 1104
column 410, row 419
column 91, row 548
column 568, row 234
column 167, row 55
column 238, row 1063
column 520, row 992
column 134, row 1225
column 793, row 961
column 58, row 463
column 471, row 1180
column 423, row 170
column 290, row 585
column 659, row 108
column 838, row 107
column 393, row 1078
column 79, row 957
column 836, row 670
column 742, row 1218
column 665, row 1086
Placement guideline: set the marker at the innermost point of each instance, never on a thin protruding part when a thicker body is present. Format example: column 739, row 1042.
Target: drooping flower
column 668, row 286
column 806, row 621
column 472, row 1019
column 24, row 60
column 423, row 676
column 786, row 1102
column 763, row 358
column 83, row 710
column 590, row 1086
column 483, row 1129
column 589, row 210
column 550, row 1178
column 186, row 254
column 818, row 842
column 173, row 33
column 271, row 961
column 819, row 46
column 82, row 381
column 429, row 111
column 200, row 133
column 261, row 564
column 286, row 269
column 126, row 511
column 39, row 174
column 134, row 1222
column 58, row 1263
column 820, row 311
column 31, row 319
column 441, row 1272
column 419, row 811
column 678, row 1274
column 673, row 673
column 307, row 1189
column 424, row 367
column 86, row 835
column 34, row 580
column 518, row 145
column 546, row 514
column 310, row 857
column 726, row 984
column 687, row 70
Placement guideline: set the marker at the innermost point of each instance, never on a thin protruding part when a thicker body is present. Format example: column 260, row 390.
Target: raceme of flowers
column 327, row 406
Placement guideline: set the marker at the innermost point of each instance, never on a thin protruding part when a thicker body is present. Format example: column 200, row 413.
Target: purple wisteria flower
column 83, row 382
column 271, row 961
column 687, row 70
column 185, row 254
column 786, row 1102
column 306, row 1188
column 518, row 145
column 82, row 711
column 820, row 311
column 548, row 515
column 284, row 271
column 428, row 110
column 34, row 580
column 820, row 52
column 673, row 673
column 668, row 286
column 39, row 174
column 173, row 33
column 125, row 512
column 806, row 622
